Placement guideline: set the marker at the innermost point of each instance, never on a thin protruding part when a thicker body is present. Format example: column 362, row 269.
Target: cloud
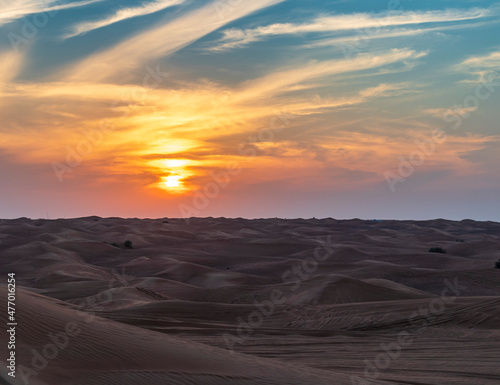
column 444, row 112
column 283, row 80
column 10, row 63
column 122, row 14
column 162, row 40
column 385, row 33
column 17, row 9
column 203, row 124
column 489, row 61
column 235, row 38
column 485, row 68
column 385, row 90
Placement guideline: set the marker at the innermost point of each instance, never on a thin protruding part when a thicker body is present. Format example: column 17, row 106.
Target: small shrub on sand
column 437, row 250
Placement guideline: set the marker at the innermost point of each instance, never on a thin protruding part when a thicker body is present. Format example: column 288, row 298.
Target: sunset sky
column 262, row 108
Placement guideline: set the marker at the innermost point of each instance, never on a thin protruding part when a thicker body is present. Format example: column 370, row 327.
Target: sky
column 263, row 108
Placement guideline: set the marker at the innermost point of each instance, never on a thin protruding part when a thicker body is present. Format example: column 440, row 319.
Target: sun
column 172, row 181
column 173, row 174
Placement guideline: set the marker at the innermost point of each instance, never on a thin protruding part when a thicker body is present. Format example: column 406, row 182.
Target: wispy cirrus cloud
column 10, row 63
column 162, row 40
column 396, row 32
column 285, row 79
column 442, row 112
column 122, row 14
column 11, row 10
column 319, row 105
column 487, row 61
column 236, row 38
column 484, row 67
column 385, row 90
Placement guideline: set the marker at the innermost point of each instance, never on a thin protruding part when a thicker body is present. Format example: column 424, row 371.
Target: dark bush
column 114, row 244
column 127, row 244
column 437, row 250
column 497, row 264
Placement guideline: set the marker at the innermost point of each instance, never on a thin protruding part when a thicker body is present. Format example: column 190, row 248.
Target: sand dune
column 70, row 347
column 337, row 289
column 266, row 301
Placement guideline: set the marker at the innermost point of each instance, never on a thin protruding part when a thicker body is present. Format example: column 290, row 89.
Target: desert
column 262, row 301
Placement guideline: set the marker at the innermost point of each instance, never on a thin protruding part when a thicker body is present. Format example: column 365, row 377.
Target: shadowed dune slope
column 93, row 350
